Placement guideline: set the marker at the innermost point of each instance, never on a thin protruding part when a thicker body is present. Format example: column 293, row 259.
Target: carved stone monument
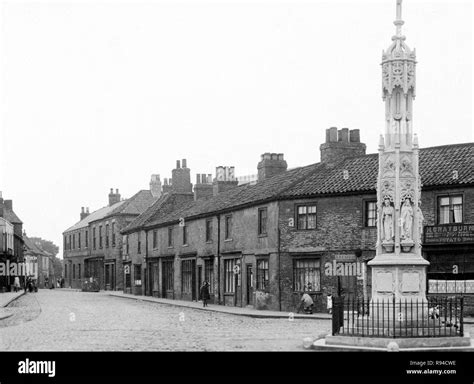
column 398, row 267
column 398, row 309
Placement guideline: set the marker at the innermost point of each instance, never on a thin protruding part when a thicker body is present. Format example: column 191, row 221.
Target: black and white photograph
column 205, row 176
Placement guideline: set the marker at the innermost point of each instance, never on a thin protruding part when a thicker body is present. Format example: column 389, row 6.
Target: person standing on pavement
column 205, row 293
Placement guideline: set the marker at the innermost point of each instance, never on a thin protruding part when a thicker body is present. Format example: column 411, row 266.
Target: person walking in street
column 205, row 296
column 16, row 284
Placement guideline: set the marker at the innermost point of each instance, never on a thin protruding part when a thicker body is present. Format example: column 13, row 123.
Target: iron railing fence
column 397, row 318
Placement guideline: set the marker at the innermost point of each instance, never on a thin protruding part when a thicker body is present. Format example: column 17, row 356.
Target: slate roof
column 436, row 169
column 32, row 247
column 135, row 205
column 96, row 215
column 11, row 216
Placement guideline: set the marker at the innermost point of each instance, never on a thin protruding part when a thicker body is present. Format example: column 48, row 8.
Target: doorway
column 154, row 279
column 167, row 279
column 109, row 277
column 199, row 284
column 249, row 278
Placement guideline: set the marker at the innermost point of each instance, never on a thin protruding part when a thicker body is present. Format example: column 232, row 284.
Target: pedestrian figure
column 62, row 282
column 307, row 303
column 433, row 312
column 205, row 293
column 329, row 305
column 16, row 284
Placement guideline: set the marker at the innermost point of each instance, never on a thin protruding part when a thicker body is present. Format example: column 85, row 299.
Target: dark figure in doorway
column 205, row 293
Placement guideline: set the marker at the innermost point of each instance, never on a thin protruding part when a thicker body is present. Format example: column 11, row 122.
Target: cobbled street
column 63, row 320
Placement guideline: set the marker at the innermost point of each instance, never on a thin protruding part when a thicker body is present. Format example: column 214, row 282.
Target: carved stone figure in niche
column 405, row 167
column 387, row 221
column 407, row 219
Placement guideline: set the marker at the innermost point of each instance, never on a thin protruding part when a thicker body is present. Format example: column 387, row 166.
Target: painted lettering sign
column 452, row 233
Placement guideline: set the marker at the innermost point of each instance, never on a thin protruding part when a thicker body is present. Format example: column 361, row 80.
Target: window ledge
column 228, row 240
column 263, row 235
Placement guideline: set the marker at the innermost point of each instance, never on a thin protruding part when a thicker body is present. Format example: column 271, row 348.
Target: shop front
column 450, row 251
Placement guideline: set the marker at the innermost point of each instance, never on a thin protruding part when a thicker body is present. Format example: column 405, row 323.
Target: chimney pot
column 184, row 163
column 177, row 164
column 332, row 135
column 354, row 135
column 116, row 191
column 111, row 190
column 198, row 178
column 344, row 135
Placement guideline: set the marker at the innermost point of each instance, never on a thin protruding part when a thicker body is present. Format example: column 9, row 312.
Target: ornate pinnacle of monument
column 398, row 87
column 398, row 61
column 399, row 22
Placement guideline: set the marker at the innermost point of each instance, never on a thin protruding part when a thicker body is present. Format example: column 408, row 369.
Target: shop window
column 307, row 275
column 229, row 275
column 186, row 276
column 262, row 274
column 137, row 275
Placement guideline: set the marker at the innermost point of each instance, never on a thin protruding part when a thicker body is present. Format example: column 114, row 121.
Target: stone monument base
column 354, row 343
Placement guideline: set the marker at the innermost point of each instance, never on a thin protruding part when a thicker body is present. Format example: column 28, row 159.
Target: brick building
column 311, row 226
column 11, row 249
column 42, row 271
column 93, row 246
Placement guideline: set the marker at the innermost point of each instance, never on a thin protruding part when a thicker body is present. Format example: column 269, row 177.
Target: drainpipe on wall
column 279, row 270
column 219, row 259
column 146, row 264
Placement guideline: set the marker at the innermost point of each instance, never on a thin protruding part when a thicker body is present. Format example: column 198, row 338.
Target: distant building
column 93, row 246
column 11, row 248
column 34, row 255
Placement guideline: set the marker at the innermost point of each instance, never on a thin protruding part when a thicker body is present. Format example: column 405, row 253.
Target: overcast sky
column 96, row 95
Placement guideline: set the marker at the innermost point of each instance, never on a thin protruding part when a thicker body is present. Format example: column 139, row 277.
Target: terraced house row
column 310, row 227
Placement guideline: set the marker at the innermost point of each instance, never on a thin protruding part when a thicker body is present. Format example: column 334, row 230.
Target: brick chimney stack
column 271, row 164
column 155, row 186
column 341, row 144
column 114, row 197
column 84, row 213
column 181, row 178
column 225, row 180
column 166, row 185
column 203, row 187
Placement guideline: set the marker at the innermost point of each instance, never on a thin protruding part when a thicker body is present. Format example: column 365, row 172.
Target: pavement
column 239, row 311
column 5, row 299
